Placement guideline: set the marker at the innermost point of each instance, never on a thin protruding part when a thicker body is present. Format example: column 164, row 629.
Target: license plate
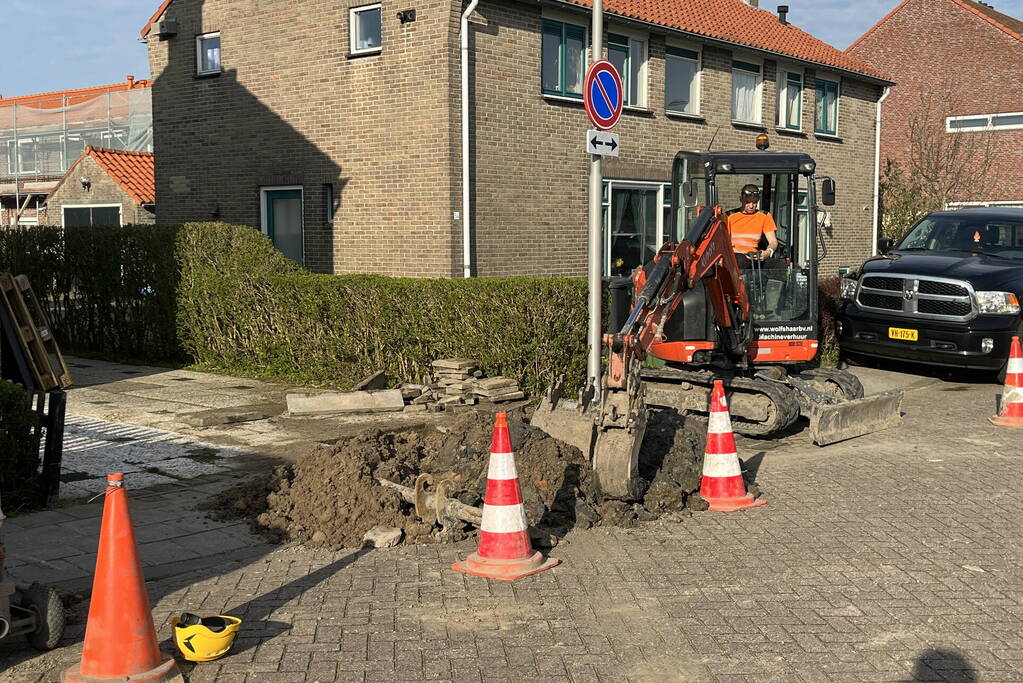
column 902, row 333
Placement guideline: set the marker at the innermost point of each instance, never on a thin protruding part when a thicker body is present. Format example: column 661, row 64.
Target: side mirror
column 884, row 245
column 690, row 194
column 828, row 192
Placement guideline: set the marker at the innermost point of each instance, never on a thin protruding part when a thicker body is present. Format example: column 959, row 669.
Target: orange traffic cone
column 504, row 550
column 120, row 639
column 722, row 486
column 1010, row 413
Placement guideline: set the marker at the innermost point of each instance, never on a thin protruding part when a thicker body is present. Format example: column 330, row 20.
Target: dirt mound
column 332, row 496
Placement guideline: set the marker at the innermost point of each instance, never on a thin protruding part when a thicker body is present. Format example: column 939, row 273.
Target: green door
column 284, row 222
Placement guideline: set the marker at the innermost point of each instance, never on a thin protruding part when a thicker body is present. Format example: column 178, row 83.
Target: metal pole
column 596, row 234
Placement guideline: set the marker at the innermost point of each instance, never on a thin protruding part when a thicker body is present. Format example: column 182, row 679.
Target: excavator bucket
column 570, row 421
column 834, row 422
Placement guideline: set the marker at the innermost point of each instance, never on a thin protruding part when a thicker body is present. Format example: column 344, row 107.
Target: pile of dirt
column 332, row 496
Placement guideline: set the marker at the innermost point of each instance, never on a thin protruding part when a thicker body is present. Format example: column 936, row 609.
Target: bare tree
column 939, row 167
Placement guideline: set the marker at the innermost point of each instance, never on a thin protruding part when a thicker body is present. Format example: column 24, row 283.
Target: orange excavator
column 706, row 313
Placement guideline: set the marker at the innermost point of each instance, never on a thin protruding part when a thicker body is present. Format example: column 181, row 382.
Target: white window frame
column 988, row 126
column 353, row 26
column 697, row 78
column 837, row 80
column 120, row 211
column 264, row 215
column 609, row 184
column 644, row 68
column 199, row 53
column 781, row 86
column 758, row 105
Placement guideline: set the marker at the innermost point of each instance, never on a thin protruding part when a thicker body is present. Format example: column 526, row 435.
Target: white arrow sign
column 600, row 142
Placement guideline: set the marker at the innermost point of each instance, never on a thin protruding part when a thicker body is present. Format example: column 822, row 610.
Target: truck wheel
column 49, row 610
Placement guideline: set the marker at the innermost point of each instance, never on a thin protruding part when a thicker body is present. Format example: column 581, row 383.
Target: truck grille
column 917, row 297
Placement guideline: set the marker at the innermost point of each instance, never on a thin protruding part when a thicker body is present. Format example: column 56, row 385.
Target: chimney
column 131, row 81
column 783, row 12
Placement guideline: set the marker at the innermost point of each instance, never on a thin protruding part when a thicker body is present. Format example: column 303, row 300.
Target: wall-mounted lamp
column 86, row 183
column 407, row 16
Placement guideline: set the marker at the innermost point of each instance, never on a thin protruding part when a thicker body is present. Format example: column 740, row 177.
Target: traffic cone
column 722, row 486
column 120, row 639
column 504, row 550
column 1010, row 413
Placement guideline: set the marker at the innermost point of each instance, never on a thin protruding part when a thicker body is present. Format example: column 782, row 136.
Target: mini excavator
column 708, row 313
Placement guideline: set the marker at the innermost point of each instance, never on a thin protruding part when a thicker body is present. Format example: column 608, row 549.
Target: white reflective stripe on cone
column 1015, row 366
column 1012, row 395
column 502, row 519
column 502, row 466
column 721, row 465
column 719, row 423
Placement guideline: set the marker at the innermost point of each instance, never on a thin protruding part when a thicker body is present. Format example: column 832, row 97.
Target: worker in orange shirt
column 748, row 225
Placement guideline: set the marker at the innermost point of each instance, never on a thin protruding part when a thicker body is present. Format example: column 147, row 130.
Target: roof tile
column 46, row 97
column 736, row 22
column 133, row 171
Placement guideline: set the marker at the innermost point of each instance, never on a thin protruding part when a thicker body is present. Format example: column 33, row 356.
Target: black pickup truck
column 947, row 294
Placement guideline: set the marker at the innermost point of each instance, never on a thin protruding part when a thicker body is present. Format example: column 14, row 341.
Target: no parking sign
column 602, row 94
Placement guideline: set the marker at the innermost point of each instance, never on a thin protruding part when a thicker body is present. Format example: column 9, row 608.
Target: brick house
column 967, row 59
column 335, row 127
column 105, row 187
column 41, row 135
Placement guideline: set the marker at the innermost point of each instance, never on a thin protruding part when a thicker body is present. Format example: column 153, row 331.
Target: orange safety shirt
column 746, row 230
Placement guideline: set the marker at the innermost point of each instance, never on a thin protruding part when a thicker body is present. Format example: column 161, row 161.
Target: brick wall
column 532, row 172
column 102, row 190
column 930, row 46
column 292, row 108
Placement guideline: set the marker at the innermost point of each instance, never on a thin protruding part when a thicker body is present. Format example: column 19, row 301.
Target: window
column 629, row 56
column 746, row 77
column 207, row 53
column 681, row 80
column 790, row 100
column 563, row 59
column 84, row 216
column 636, row 219
column 364, row 27
column 826, row 111
column 979, row 122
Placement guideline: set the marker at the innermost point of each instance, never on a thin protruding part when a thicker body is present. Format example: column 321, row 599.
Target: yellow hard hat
column 203, row 639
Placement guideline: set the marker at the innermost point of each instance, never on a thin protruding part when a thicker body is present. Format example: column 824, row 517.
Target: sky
column 63, row 44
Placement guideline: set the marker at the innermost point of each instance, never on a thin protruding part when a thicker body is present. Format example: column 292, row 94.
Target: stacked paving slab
column 458, row 382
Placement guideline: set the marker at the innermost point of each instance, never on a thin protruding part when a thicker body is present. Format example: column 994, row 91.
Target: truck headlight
column 1001, row 303
column 849, row 288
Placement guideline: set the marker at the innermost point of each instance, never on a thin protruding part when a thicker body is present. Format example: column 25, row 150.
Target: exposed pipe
column 466, row 226
column 877, row 168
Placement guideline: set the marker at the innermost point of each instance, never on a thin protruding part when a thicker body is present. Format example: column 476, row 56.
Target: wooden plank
column 7, row 293
column 54, row 358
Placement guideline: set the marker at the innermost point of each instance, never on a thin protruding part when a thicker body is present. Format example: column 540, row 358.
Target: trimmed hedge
column 222, row 297
column 19, row 450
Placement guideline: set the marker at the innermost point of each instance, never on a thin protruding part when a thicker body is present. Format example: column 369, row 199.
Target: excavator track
column 759, row 407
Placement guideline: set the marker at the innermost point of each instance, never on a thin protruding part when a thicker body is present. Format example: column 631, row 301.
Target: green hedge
column 19, row 450
column 244, row 307
column 222, row 297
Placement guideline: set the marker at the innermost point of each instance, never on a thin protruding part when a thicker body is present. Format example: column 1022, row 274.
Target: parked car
column 948, row 294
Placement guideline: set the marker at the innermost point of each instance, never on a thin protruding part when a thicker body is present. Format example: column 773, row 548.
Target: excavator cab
column 782, row 289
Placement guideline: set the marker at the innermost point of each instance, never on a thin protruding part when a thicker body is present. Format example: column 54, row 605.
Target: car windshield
column 1001, row 237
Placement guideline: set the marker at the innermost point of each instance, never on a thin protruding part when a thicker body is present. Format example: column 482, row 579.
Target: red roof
column 52, row 100
column 733, row 21
column 1011, row 26
column 133, row 171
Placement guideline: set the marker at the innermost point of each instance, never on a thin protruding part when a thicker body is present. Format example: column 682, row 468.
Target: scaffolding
column 42, row 138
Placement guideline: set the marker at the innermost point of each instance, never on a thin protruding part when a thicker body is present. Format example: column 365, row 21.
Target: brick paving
column 887, row 558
